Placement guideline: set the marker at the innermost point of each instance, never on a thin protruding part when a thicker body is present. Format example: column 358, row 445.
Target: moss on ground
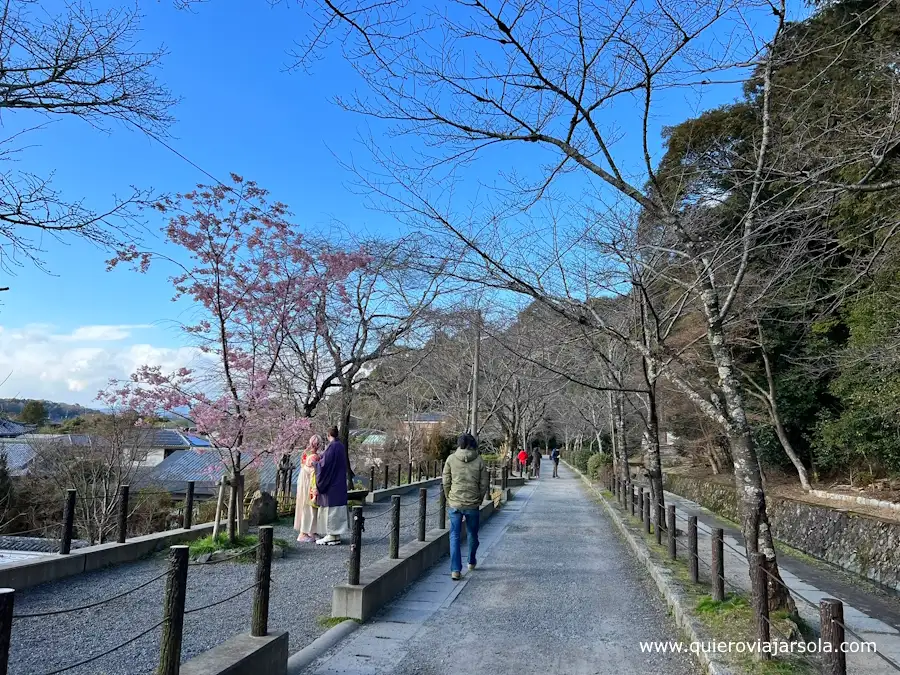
column 332, row 621
column 209, row 545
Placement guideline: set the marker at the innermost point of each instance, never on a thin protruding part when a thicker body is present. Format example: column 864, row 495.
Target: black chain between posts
column 91, row 605
column 884, row 658
column 107, row 652
column 222, row 601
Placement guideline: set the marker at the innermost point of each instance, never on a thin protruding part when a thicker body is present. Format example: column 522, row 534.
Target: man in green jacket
column 466, row 482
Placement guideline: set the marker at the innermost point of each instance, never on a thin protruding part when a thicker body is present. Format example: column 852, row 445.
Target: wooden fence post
column 760, row 591
column 673, row 546
column 423, row 501
column 173, row 612
column 718, row 565
column 372, row 479
column 356, row 545
column 442, row 506
column 394, row 543
column 831, row 626
column 632, row 498
column 660, row 519
column 189, row 506
column 399, row 474
column 7, row 599
column 647, row 513
column 259, row 626
column 386, row 478
column 65, row 545
column 693, row 553
column 123, row 514
column 409, row 474
column 640, row 503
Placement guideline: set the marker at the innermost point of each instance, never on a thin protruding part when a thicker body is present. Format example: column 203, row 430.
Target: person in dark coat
column 331, row 489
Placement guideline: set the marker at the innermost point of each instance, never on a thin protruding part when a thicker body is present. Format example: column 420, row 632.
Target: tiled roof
column 426, row 417
column 18, row 456
column 204, row 468
column 9, row 428
column 172, row 438
column 34, row 544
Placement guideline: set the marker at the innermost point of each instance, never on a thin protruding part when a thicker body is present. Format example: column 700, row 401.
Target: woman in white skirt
column 306, row 513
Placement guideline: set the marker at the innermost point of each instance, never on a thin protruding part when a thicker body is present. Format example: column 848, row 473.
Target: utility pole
column 473, row 401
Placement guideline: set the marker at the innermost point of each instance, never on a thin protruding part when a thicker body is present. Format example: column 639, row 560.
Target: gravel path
column 301, row 592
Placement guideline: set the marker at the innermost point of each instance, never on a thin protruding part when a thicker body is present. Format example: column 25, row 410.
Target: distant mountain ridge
column 56, row 412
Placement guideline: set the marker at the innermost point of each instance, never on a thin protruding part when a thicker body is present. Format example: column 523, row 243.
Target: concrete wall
column 855, row 542
column 242, row 655
column 386, row 494
column 40, row 570
column 382, row 581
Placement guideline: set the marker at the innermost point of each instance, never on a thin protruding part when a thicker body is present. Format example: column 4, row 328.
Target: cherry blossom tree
column 252, row 277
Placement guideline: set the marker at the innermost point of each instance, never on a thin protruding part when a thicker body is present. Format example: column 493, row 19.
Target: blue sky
column 63, row 333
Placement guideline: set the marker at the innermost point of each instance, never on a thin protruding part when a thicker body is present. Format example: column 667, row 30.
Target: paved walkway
column 874, row 616
column 556, row 591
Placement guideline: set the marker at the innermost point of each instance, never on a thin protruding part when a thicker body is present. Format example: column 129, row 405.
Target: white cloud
column 73, row 367
column 101, row 333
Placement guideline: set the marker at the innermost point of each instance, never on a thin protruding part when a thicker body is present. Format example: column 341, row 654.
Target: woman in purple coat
column 331, row 486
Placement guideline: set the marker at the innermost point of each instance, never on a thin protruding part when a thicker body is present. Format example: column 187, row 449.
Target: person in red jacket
column 523, row 460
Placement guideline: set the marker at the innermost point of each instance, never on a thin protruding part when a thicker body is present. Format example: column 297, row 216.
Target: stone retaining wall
column 858, row 543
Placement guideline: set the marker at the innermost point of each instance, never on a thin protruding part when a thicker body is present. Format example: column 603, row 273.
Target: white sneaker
column 328, row 540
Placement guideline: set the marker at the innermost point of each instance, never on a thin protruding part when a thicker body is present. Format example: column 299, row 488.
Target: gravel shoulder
column 301, row 593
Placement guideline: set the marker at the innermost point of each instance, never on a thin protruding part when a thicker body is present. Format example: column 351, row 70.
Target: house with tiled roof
column 151, row 446
column 10, row 429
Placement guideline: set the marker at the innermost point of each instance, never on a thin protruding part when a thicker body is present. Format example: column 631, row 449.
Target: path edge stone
column 300, row 660
column 673, row 596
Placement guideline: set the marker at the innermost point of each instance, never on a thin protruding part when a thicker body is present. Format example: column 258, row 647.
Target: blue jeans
column 456, row 518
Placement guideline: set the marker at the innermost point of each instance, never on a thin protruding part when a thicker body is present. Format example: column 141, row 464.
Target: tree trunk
column 770, row 399
column 622, row 444
column 787, row 445
column 747, row 476
column 232, row 508
column 241, row 514
column 346, row 409
column 652, row 460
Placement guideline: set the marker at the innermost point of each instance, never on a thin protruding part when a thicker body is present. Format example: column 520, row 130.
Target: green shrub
column 580, row 459
column 488, row 458
column 597, row 463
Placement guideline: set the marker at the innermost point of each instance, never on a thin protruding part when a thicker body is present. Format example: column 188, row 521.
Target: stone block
column 263, row 509
column 242, row 655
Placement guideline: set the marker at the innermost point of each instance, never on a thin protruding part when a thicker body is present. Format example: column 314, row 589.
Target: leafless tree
column 549, row 74
column 379, row 312
column 97, row 465
column 76, row 62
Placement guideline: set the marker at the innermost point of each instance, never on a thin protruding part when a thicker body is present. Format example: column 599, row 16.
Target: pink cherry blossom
column 253, row 278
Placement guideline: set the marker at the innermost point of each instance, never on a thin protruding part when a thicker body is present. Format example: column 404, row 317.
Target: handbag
column 313, row 492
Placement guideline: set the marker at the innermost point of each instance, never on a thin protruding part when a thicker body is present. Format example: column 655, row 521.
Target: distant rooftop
column 10, row 429
column 34, row 544
column 426, row 418
column 205, row 469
